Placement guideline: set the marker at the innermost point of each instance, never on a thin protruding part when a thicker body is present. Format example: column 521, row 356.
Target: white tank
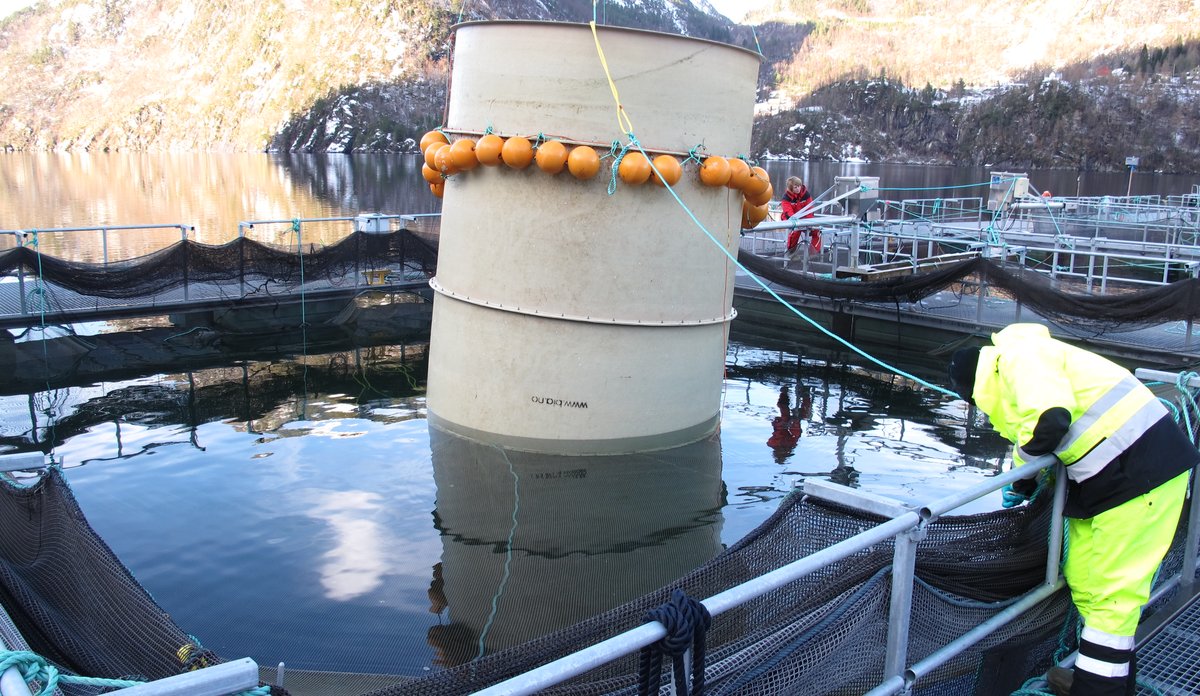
column 568, row 320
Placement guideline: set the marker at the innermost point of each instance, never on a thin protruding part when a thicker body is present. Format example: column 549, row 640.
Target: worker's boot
column 1060, row 680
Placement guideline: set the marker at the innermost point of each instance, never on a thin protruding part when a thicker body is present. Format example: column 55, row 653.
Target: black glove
column 1025, row 487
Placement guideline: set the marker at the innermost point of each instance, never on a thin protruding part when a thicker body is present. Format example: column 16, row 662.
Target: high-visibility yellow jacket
column 1026, row 372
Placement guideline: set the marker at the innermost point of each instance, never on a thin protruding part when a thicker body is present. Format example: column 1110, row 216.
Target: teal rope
column 182, row 333
column 508, row 553
column 939, row 188
column 633, row 142
column 35, row 668
column 40, row 290
column 612, row 182
column 694, row 155
column 1181, row 384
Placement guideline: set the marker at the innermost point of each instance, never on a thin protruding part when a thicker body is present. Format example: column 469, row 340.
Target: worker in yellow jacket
column 1127, row 465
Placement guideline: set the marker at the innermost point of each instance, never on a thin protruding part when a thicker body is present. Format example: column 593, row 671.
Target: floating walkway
column 1071, row 252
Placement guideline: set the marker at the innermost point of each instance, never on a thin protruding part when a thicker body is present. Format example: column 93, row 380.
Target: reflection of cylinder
column 562, row 310
column 587, row 534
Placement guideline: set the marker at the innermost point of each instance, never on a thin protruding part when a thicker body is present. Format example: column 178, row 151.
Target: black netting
column 826, row 633
column 240, row 261
column 1178, row 301
column 72, row 599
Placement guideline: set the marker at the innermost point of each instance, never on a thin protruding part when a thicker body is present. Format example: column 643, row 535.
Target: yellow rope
column 623, row 122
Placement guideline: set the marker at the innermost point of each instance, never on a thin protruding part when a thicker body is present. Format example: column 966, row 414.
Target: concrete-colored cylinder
column 569, row 320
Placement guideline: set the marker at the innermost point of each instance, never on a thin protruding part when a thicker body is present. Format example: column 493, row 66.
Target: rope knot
column 33, row 667
column 686, row 621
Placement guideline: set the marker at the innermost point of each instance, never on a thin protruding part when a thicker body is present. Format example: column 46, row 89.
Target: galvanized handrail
column 905, row 521
column 905, row 528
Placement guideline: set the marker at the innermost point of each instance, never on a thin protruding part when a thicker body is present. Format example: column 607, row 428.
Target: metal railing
column 29, row 304
column 32, row 237
column 906, row 528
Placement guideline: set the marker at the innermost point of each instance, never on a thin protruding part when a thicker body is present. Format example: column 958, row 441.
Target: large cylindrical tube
column 568, row 319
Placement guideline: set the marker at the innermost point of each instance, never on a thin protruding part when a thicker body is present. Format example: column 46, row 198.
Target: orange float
column 431, row 151
column 431, row 175
column 634, row 168
column 438, row 189
column 583, row 162
column 443, row 163
column 551, row 156
column 714, row 171
column 739, row 173
column 758, row 182
column 762, row 198
column 517, row 152
column 433, row 136
column 669, row 170
column 462, row 155
column 752, row 214
column 487, row 150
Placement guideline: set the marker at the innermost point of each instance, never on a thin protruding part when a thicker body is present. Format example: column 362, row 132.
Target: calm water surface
column 302, row 510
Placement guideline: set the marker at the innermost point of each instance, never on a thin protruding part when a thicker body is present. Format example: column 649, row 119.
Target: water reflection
column 213, row 192
column 532, row 543
column 209, row 192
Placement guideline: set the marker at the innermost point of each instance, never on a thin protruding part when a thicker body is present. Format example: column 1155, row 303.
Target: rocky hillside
column 1057, row 83
column 334, row 75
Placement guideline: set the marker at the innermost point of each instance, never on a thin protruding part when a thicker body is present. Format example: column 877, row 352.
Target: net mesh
column 252, row 266
column 76, row 604
column 827, row 632
column 73, row 600
column 1177, row 301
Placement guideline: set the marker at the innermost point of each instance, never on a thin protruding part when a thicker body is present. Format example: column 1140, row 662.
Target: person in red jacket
column 786, row 428
column 795, row 199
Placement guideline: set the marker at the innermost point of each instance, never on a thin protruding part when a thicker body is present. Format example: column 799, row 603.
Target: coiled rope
column 686, row 621
column 43, row 678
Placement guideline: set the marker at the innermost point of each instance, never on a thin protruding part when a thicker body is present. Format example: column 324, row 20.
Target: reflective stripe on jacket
column 1025, row 372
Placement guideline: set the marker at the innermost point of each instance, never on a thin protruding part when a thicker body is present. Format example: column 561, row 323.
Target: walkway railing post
column 104, row 244
column 1188, row 572
column 21, row 280
column 904, row 564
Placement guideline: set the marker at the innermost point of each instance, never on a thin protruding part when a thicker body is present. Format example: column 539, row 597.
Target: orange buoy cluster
column 445, row 159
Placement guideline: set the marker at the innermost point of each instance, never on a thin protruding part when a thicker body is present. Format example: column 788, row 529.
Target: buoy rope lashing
column 693, row 154
column 538, row 140
column 687, row 621
column 612, row 182
column 566, row 140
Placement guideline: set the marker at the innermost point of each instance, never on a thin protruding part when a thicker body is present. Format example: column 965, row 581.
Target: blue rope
column 508, row 554
column 40, row 291
column 612, row 182
column 35, row 668
column 733, row 258
column 686, row 621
